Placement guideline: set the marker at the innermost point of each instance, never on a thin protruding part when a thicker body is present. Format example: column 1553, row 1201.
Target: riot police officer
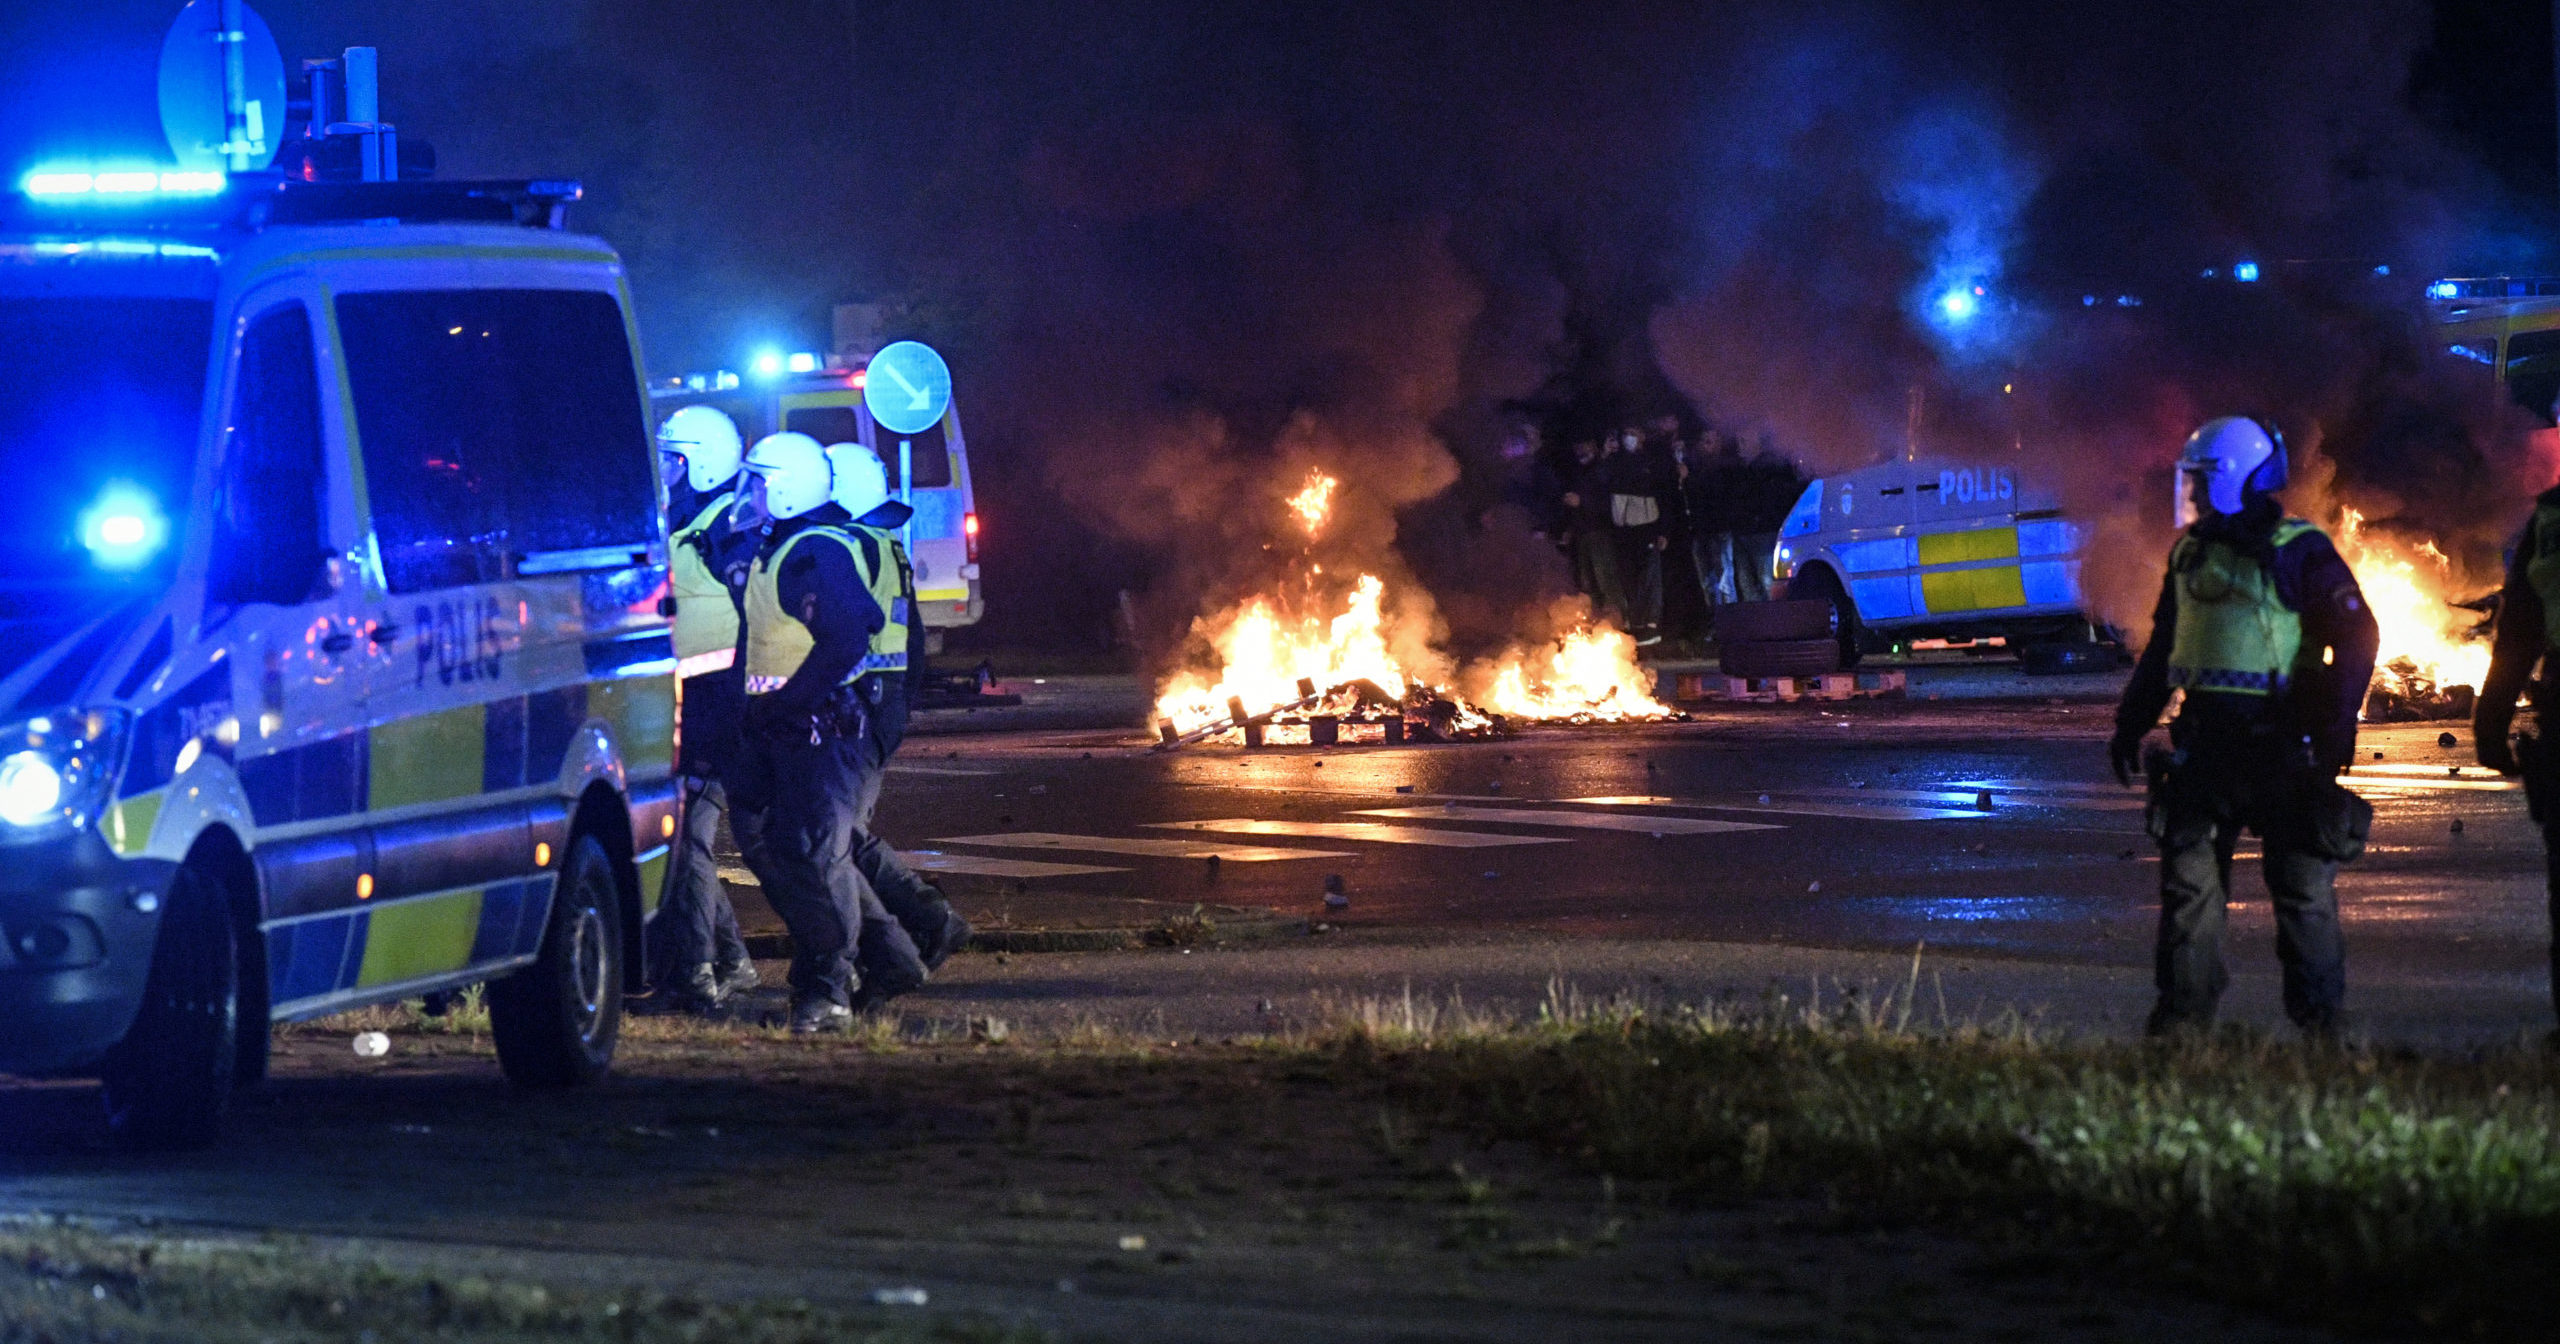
column 862, row 490
column 2262, row 626
column 696, row 953
column 2528, row 635
column 810, row 622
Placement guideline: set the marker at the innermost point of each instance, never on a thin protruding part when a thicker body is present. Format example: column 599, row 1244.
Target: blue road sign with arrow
column 908, row 387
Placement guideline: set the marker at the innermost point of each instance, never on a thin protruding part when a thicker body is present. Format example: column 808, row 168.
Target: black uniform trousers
column 696, row 924
column 2222, row 782
column 797, row 804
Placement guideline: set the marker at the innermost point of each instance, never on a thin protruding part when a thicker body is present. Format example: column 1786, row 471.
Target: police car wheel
column 167, row 1084
column 556, row 1021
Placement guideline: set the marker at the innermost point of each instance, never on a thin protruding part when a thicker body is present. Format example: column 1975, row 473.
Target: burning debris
column 1315, row 658
column 2434, row 654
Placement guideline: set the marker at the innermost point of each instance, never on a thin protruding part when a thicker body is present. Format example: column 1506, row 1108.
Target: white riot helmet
column 862, row 483
column 708, row 441
column 2238, row 456
column 795, row 472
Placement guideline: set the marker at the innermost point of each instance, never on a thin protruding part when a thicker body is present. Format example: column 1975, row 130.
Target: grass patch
column 2361, row 1187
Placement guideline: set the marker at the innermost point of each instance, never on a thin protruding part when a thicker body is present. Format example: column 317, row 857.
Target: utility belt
column 2285, row 793
column 848, row 713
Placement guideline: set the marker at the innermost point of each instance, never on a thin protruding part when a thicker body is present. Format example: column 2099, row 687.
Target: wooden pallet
column 1773, row 690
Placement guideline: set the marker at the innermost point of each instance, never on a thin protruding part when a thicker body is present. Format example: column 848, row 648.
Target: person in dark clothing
column 2528, row 635
column 696, row 956
column 2262, row 626
column 1637, row 488
column 919, row 907
column 1593, row 539
column 811, row 623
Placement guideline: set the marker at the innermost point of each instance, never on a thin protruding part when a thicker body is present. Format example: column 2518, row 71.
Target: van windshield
column 99, row 399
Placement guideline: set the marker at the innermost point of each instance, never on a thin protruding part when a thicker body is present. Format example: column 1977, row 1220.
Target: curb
column 777, row 946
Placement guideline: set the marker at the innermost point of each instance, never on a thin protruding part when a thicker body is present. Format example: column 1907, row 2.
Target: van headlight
column 58, row 772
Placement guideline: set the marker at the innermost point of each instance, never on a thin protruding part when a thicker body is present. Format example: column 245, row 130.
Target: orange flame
column 1589, row 673
column 1314, row 502
column 2424, row 637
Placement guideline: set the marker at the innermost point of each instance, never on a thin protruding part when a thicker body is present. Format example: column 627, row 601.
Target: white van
column 1932, row 548
column 334, row 668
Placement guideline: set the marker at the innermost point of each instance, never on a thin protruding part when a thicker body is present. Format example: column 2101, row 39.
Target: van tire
column 1840, row 617
column 556, row 1021
column 1780, row 658
column 1758, row 622
column 168, row 1083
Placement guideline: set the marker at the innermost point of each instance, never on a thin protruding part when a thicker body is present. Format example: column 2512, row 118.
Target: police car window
column 842, row 424
column 268, row 543
column 2533, row 370
column 495, row 424
column 99, row 404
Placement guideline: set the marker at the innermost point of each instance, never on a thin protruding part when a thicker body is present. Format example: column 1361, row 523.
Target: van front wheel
column 556, row 1021
column 169, row 1081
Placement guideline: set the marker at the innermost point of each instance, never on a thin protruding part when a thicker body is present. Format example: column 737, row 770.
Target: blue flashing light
column 2382, row 270
column 123, row 528
column 766, row 364
column 91, row 183
column 1958, row 306
column 2246, row 272
column 2444, row 289
column 802, row 362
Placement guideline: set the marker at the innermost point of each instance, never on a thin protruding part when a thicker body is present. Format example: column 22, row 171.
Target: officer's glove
column 2125, row 754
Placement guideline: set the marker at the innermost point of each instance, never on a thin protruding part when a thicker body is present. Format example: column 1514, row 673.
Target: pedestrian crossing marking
column 981, row 865
column 1363, row 830
column 1878, row 812
column 1587, row 821
column 1146, row 846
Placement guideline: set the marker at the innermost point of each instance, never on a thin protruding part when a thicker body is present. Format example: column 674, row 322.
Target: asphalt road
column 1754, row 848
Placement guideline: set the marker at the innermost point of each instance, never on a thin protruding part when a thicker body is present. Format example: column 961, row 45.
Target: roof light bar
column 123, row 183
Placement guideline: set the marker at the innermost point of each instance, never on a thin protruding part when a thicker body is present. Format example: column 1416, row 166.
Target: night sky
column 1179, row 252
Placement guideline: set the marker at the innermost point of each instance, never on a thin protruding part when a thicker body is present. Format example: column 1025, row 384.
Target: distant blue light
column 2246, row 272
column 1959, row 306
column 802, row 362
column 2382, row 270
column 2444, row 289
column 766, row 364
column 2088, row 300
column 123, row 528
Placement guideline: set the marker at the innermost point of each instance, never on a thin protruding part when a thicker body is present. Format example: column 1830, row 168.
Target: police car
column 928, row 470
column 333, row 669
column 1928, row 548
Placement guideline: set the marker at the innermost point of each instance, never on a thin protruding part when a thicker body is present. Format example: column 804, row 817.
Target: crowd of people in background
column 1662, row 524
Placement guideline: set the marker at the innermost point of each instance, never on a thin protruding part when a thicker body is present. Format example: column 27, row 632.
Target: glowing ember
column 1590, row 673
column 1314, row 501
column 2425, row 638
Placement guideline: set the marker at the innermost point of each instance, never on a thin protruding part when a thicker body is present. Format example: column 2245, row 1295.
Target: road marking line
column 980, row 865
column 1964, row 798
column 901, row 768
column 1147, row 846
column 1879, row 812
column 1363, row 830
column 1587, row 821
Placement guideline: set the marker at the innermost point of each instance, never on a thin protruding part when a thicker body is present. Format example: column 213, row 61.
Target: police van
column 1934, row 548
column 928, row 470
column 333, row 662
column 2510, row 327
